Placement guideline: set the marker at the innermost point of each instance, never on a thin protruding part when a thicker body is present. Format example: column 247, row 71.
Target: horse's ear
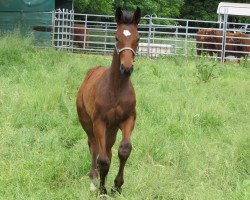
column 137, row 16
column 118, row 15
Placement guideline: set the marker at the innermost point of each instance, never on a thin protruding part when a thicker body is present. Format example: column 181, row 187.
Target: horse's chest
column 116, row 108
column 116, row 114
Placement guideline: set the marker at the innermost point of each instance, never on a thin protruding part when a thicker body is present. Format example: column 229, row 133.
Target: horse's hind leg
column 93, row 148
column 93, row 174
column 124, row 150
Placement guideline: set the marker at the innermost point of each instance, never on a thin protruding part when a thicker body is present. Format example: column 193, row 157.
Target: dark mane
column 127, row 17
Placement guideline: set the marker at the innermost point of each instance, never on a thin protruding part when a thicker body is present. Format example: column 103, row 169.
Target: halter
column 124, row 48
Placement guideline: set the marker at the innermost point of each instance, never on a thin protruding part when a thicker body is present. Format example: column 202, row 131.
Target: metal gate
column 159, row 36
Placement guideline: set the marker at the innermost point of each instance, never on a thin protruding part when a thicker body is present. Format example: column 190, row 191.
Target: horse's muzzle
column 126, row 71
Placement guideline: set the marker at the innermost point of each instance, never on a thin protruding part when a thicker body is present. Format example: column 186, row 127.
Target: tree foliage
column 94, row 6
column 204, row 9
column 162, row 8
column 186, row 9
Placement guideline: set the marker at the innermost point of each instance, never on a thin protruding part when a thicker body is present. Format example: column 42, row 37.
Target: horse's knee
column 124, row 150
column 103, row 164
column 93, row 174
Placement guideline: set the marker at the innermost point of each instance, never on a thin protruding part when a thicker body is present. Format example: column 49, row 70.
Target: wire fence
column 158, row 36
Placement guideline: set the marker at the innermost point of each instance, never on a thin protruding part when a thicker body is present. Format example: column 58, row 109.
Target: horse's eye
column 138, row 39
column 116, row 39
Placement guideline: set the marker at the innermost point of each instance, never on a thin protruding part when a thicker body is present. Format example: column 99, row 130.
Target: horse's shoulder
column 95, row 70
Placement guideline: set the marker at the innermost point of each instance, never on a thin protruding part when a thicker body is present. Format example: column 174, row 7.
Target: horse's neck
column 116, row 79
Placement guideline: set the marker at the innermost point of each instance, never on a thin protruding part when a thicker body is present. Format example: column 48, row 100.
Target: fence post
column 67, row 29
column 85, row 32
column 153, row 35
column 186, row 38
column 63, row 29
column 223, row 46
column 53, row 27
column 219, row 19
column 105, row 39
column 72, row 30
column 149, row 34
column 176, row 38
column 58, row 43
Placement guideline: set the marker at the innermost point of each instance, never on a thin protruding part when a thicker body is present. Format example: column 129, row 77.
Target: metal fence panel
column 159, row 36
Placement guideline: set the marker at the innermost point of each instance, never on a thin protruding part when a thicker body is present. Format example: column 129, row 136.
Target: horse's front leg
column 103, row 162
column 124, row 150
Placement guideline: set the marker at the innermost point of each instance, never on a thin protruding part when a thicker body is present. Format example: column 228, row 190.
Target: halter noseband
column 124, row 48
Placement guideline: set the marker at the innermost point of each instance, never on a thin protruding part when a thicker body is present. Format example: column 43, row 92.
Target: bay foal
column 106, row 102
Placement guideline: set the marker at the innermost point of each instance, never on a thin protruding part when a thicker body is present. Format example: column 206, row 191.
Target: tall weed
column 206, row 69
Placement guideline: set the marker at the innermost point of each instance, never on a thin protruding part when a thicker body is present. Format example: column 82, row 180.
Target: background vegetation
column 191, row 139
column 186, row 9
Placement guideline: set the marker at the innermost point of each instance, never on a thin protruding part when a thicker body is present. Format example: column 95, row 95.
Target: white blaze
column 126, row 33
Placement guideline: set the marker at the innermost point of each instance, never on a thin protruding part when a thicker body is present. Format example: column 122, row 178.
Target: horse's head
column 127, row 38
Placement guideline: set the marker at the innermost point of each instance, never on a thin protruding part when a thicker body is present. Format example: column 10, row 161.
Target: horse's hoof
column 103, row 196
column 103, row 191
column 93, row 185
column 116, row 190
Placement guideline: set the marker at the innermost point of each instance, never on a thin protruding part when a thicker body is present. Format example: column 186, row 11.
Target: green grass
column 191, row 139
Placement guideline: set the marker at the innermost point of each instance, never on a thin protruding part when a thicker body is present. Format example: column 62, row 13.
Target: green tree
column 186, row 9
column 162, row 8
column 203, row 9
column 80, row 6
column 94, row 7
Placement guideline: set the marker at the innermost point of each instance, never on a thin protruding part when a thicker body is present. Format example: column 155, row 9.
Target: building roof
column 239, row 9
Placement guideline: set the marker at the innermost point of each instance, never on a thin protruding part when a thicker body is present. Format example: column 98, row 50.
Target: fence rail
column 159, row 36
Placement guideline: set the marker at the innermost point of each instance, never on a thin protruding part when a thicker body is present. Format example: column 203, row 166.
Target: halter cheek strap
column 124, row 48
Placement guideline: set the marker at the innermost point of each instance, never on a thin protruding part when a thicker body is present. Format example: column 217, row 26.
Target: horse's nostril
column 132, row 68
column 122, row 69
column 127, row 71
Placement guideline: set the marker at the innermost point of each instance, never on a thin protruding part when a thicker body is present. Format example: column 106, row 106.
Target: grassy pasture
column 191, row 139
